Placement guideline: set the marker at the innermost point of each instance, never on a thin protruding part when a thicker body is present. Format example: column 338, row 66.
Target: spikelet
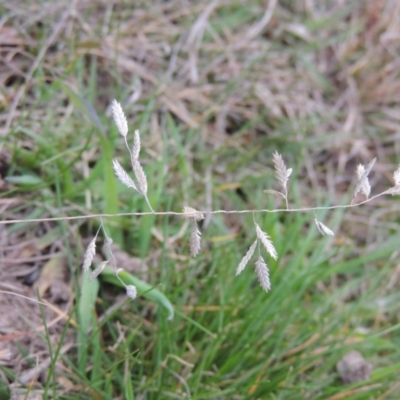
column 192, row 214
column 267, row 243
column 140, row 176
column 131, row 292
column 107, row 247
column 136, row 167
column 282, row 173
column 123, row 176
column 262, row 272
column 323, row 229
column 246, row 258
column 119, row 118
column 365, row 187
column 89, row 255
column 195, row 240
column 396, row 177
column 136, row 145
column 98, row 270
column 363, row 179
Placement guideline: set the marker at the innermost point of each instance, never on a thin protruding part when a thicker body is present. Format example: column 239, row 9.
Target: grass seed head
column 262, row 272
column 119, row 118
column 131, row 292
column 89, row 255
column 192, row 214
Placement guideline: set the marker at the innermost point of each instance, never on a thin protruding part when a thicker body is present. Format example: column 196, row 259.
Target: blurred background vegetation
column 214, row 88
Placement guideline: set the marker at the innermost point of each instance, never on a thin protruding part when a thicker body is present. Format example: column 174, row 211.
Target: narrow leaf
column 26, row 179
column 86, row 304
column 84, row 106
column 144, row 289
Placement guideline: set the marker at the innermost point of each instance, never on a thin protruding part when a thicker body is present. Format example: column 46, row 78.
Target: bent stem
column 148, row 203
column 206, row 212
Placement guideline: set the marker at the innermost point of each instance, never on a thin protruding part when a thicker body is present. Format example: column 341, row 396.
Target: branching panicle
column 191, row 214
column 141, row 180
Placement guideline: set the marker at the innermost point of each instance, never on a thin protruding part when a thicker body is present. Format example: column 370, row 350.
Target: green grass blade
column 86, row 304
column 144, row 289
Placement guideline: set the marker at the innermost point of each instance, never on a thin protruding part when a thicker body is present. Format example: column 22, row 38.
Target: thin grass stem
column 214, row 212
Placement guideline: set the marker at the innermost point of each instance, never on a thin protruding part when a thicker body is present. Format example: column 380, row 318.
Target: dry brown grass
column 346, row 74
column 327, row 73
